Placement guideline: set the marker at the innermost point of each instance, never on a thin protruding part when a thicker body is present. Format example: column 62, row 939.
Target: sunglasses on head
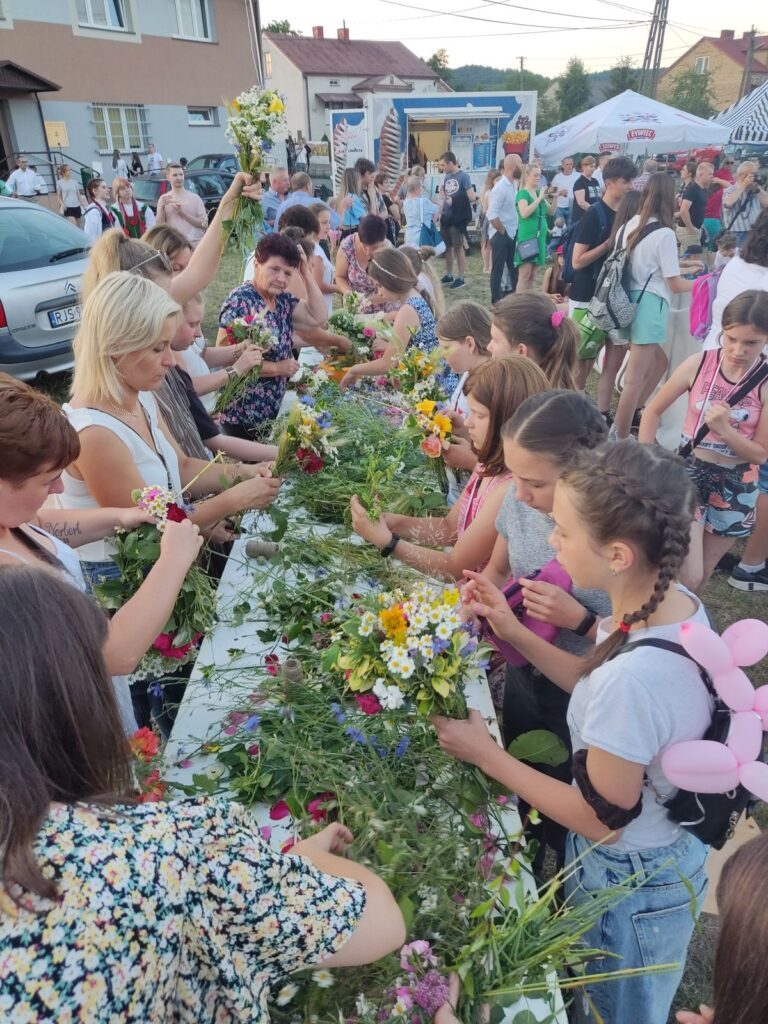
column 163, row 257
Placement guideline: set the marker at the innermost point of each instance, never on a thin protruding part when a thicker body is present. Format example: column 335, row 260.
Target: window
column 112, row 14
column 192, row 19
column 123, row 128
column 701, row 67
column 268, row 65
column 203, row 116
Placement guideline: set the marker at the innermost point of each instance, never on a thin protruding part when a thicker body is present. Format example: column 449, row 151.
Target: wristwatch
column 231, row 372
column 390, row 546
column 586, row 623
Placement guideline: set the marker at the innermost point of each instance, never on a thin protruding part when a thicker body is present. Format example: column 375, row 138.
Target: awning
column 347, row 98
column 748, row 117
column 451, row 113
column 15, row 78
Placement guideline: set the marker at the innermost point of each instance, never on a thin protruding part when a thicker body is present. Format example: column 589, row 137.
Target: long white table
column 214, row 690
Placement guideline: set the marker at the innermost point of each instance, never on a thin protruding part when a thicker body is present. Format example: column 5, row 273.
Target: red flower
column 152, row 789
column 144, row 744
column 287, row 845
column 279, row 811
column 175, row 513
column 272, row 664
column 309, row 461
column 164, row 644
column 317, row 808
column 253, row 750
column 368, row 703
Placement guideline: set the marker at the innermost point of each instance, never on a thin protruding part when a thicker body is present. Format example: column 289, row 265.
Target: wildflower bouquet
column 307, row 439
column 136, row 551
column 253, row 330
column 253, row 120
column 413, row 375
column 432, row 429
column 410, row 649
column 147, row 763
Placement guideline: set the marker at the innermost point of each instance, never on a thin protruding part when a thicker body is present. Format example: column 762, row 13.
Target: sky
column 498, row 33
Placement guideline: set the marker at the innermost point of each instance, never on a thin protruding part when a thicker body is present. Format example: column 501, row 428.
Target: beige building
column 725, row 58
column 318, row 74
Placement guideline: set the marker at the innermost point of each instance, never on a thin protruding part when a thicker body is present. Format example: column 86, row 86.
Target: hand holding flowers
column 466, row 739
column 374, row 531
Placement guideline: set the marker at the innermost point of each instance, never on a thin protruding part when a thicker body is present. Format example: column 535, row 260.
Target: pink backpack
column 702, row 298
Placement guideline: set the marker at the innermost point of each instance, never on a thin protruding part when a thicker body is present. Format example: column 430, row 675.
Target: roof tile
column 365, row 57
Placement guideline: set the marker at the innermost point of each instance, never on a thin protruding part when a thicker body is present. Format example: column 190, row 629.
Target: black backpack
column 569, row 241
column 711, row 817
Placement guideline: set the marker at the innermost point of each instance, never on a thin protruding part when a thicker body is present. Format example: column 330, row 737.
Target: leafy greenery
column 282, row 28
column 573, row 92
column 692, row 92
column 624, row 75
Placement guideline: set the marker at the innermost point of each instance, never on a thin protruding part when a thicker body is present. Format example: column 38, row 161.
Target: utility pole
column 649, row 74
column 746, row 79
column 522, row 70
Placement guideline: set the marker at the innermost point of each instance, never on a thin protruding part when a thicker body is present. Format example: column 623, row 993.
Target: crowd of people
column 182, row 904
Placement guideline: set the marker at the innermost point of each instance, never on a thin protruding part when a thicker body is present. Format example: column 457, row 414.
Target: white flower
column 426, row 649
column 406, row 667
column 435, row 615
column 367, row 624
column 419, row 621
column 400, row 1009
column 362, row 1005
column 286, row 994
column 391, row 697
column 444, row 631
column 323, row 979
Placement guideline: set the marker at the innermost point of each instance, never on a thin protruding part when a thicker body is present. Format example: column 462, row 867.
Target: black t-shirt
column 206, row 427
column 591, row 190
column 592, row 230
column 697, row 197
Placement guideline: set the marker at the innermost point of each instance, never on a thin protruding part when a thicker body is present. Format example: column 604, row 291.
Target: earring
column 613, row 571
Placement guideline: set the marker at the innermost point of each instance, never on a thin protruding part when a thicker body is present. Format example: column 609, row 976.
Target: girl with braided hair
column 622, row 519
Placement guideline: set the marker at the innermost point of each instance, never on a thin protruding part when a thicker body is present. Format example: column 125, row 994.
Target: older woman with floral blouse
column 275, row 257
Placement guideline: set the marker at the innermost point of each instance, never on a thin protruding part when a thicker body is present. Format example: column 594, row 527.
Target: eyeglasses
column 163, row 257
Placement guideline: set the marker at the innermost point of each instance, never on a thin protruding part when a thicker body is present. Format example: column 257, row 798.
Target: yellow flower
column 451, row 597
column 236, row 106
column 442, row 423
column 427, row 407
column 276, row 105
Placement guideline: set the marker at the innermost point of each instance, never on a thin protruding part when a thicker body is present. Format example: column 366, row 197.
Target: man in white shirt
column 23, row 182
column 602, row 160
column 564, row 181
column 182, row 209
column 155, row 161
column 502, row 224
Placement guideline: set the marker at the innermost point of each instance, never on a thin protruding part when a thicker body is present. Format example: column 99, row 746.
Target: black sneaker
column 457, row 283
column 749, row 581
column 446, row 279
column 637, row 416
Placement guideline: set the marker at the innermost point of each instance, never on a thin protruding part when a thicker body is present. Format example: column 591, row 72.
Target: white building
column 317, row 75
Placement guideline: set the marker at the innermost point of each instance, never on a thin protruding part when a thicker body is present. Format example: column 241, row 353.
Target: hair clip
column 624, row 627
column 557, row 318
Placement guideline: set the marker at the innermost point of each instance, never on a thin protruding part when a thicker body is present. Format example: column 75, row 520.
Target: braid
column 654, row 505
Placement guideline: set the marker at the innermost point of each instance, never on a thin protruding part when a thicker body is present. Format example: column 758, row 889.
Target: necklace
column 125, row 412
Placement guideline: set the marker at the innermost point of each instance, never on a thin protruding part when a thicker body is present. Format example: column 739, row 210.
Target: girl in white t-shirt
column 746, row 271
column 621, row 524
column 654, row 275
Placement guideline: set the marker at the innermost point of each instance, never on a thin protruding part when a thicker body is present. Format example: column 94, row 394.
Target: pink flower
column 368, row 703
column 279, row 811
column 317, row 808
column 410, row 954
column 230, row 730
column 186, row 763
column 432, row 446
column 287, row 845
column 265, row 833
column 368, row 332
column 326, row 616
column 164, row 644
column 272, row 664
column 253, row 750
column 479, row 820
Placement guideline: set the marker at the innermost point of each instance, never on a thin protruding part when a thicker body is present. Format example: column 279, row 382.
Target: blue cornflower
column 156, row 688
column 324, row 420
column 338, row 714
column 307, row 400
column 402, row 746
column 380, row 750
column 253, row 723
column 356, row 735
column 439, row 645
column 469, row 648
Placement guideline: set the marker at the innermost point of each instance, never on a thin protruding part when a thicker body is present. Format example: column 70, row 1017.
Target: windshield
column 31, row 237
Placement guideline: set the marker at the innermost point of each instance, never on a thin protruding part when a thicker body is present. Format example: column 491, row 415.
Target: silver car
column 42, row 260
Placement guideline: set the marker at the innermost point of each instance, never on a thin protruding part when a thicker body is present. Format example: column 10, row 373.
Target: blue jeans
column 97, row 572
column 652, row 926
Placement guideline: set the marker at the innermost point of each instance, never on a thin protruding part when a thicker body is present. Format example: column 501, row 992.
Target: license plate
column 67, row 315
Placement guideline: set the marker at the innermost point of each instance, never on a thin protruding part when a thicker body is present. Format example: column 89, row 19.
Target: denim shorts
column 97, row 572
column 652, row 926
column 651, row 319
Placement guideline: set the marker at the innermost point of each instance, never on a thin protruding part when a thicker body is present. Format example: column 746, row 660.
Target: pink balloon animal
column 705, row 766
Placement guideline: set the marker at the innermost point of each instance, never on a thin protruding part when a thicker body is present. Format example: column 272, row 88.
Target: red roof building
column 724, row 58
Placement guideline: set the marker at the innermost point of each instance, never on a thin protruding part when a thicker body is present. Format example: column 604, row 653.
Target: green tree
column 573, row 94
column 692, row 92
column 438, row 61
column 282, row 28
column 531, row 82
column 624, row 75
column 547, row 113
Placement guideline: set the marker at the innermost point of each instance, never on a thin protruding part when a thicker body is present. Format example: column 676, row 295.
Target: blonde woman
column 533, row 204
column 349, row 206
column 485, row 194
column 122, row 353
column 133, row 217
column 71, row 198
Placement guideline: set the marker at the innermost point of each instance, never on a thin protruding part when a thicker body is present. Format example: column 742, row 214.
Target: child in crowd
column 555, row 236
column 465, row 537
column 724, row 440
column 726, row 249
column 414, row 325
column 528, row 323
column 621, row 524
column 428, row 283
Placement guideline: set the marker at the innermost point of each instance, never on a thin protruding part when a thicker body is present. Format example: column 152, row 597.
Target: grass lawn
column 725, row 605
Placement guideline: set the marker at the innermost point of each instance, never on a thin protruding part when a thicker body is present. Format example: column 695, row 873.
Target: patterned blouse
column 261, row 400
column 167, row 912
column 360, row 282
column 426, row 339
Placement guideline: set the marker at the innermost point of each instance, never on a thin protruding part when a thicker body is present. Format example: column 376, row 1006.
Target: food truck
column 479, row 127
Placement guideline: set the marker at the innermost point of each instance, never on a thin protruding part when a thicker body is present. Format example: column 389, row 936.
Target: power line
column 496, row 21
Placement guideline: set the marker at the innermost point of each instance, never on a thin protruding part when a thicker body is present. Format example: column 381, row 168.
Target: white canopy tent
column 747, row 118
column 629, row 123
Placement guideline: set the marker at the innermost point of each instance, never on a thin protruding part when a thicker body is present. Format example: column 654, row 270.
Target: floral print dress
column 261, row 400
column 166, row 912
column 361, row 283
